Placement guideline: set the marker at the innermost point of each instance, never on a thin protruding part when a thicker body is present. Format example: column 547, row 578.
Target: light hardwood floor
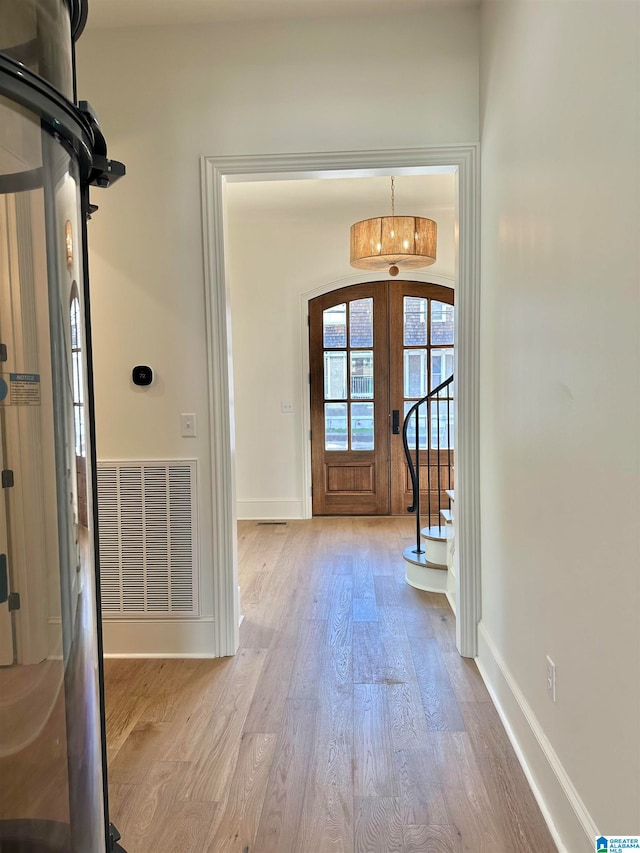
column 346, row 722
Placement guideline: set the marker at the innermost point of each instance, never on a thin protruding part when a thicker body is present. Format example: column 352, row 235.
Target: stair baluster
column 433, row 397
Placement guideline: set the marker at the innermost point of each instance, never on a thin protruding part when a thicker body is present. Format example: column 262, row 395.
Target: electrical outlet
column 286, row 408
column 551, row 679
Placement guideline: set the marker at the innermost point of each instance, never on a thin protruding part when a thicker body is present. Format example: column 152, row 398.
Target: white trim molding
column 567, row 817
column 219, row 357
column 216, row 171
column 261, row 510
column 160, row 638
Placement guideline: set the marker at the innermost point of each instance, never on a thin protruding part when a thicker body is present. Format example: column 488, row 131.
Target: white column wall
column 560, row 393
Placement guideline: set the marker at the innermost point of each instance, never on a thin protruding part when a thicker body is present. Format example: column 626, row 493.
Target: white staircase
column 449, row 517
column 433, row 570
column 430, row 559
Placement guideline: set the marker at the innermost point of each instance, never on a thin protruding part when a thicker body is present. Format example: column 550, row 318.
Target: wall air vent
column 147, row 514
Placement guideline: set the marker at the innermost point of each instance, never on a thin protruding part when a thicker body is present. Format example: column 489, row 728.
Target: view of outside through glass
column 428, row 361
column 349, row 375
column 349, row 371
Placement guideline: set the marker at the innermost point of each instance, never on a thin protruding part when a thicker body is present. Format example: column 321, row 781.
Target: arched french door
column 374, row 350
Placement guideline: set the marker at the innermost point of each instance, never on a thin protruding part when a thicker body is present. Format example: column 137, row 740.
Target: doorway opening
column 217, row 174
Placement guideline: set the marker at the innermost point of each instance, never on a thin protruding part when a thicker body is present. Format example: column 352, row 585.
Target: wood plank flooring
column 347, row 722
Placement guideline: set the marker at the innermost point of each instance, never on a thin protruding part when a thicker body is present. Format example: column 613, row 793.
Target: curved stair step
column 436, row 532
column 434, row 543
column 422, row 574
column 410, row 555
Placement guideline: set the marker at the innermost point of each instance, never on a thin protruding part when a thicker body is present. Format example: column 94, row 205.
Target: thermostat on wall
column 142, row 375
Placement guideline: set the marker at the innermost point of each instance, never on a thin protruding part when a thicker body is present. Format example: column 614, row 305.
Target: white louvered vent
column 148, row 538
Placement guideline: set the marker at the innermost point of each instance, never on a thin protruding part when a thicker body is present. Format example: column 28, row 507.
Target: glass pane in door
column 334, row 326
column 441, row 368
column 415, row 313
column 415, row 372
column 362, row 426
column 361, row 371
column 335, row 375
column 335, row 426
column 411, row 427
column 361, row 323
column 441, row 323
column 442, row 423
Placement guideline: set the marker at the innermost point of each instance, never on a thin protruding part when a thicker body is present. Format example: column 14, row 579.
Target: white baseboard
column 54, row 638
column 161, row 638
column 571, row 826
column 266, row 509
column 451, row 598
column 161, row 656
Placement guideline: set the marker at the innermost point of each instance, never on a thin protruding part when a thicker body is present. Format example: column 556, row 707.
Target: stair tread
column 451, row 493
column 437, row 532
column 447, row 515
column 421, row 560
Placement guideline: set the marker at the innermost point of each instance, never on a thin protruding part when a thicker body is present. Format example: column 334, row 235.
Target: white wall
column 298, row 234
column 165, row 96
column 560, row 96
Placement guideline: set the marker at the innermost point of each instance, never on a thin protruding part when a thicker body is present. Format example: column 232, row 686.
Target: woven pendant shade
column 405, row 241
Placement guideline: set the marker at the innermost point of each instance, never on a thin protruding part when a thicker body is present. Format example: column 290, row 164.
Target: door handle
column 395, row 422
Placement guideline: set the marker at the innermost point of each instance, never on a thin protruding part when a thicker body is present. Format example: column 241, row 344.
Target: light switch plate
column 286, row 408
column 551, row 678
column 188, row 425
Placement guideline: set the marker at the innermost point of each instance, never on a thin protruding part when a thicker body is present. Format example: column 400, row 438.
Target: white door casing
column 215, row 171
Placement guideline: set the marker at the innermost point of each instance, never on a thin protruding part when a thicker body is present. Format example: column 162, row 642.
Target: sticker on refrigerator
column 19, row 389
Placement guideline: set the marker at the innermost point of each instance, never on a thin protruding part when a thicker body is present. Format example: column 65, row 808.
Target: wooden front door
column 374, row 349
column 349, row 359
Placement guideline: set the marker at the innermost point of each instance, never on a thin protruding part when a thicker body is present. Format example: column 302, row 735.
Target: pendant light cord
column 393, row 196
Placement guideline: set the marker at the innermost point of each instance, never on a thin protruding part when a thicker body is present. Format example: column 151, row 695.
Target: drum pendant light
column 393, row 242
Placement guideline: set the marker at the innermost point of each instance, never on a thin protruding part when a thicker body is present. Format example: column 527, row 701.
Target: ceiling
column 359, row 198
column 131, row 13
column 419, row 192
